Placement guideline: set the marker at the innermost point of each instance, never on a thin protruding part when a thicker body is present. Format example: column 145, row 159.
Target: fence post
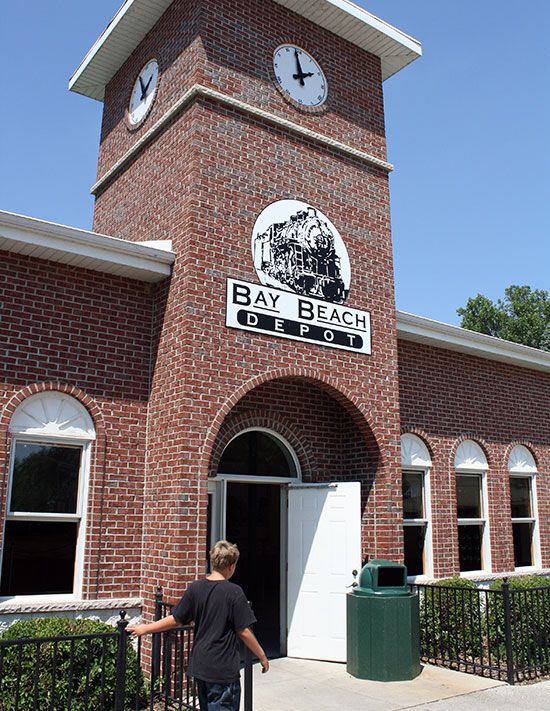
column 120, row 669
column 155, row 644
column 510, row 674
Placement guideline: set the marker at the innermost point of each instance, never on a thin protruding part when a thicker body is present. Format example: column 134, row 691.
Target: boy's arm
column 166, row 623
column 252, row 643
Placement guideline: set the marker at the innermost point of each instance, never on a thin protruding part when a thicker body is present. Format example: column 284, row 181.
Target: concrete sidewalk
column 303, row 685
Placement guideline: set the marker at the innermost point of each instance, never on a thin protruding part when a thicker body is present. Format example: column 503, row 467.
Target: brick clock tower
column 251, row 136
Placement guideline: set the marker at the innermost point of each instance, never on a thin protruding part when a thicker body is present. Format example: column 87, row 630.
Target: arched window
column 258, row 452
column 471, row 507
column 522, row 469
column 46, row 503
column 415, row 464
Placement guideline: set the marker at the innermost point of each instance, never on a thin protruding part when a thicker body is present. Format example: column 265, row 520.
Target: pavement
column 304, row 685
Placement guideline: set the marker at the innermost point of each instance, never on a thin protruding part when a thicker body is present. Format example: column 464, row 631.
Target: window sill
column 63, row 603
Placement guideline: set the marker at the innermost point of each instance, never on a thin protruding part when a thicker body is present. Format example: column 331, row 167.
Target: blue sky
column 467, row 129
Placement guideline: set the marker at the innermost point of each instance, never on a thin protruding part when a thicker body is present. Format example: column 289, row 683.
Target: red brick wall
column 202, row 182
column 447, row 397
column 86, row 334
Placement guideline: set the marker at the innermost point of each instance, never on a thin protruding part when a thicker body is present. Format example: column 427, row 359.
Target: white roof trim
column 136, row 18
column 80, row 248
column 443, row 335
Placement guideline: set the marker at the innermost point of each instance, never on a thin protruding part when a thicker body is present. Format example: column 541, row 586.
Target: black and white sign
column 259, row 308
column 297, row 248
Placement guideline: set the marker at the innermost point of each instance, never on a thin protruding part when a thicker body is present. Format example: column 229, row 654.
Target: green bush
column 450, row 620
column 529, row 620
column 89, row 658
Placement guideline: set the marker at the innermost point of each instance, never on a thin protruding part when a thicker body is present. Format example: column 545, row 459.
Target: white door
column 324, row 547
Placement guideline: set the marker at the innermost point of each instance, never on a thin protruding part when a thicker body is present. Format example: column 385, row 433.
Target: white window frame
column 42, row 419
column 521, row 465
column 470, row 460
column 415, row 457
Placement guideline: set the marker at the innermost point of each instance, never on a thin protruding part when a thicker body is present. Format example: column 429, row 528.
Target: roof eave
column 79, row 248
column 136, row 18
column 442, row 335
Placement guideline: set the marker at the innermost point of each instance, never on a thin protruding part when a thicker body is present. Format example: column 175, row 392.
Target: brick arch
column 424, row 436
column 525, row 443
column 332, row 386
column 233, row 426
column 478, row 440
column 86, row 400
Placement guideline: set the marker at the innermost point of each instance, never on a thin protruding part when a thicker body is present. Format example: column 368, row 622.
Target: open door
column 324, row 547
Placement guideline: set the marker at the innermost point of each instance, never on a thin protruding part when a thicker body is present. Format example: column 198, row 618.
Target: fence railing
column 500, row 633
column 73, row 672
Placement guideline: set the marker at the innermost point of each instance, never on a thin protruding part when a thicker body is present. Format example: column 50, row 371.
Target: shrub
column 92, row 666
column 450, row 619
column 529, row 620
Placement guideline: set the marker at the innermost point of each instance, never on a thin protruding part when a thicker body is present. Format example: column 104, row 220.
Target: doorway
column 253, row 522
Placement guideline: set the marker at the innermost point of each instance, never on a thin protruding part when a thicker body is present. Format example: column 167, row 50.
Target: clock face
column 299, row 75
column 143, row 92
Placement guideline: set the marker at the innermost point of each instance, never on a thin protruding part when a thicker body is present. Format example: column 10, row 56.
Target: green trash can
column 383, row 629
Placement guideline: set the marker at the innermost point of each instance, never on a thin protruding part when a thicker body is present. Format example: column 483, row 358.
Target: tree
column 522, row 317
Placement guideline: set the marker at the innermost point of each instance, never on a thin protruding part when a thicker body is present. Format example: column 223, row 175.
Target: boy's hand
column 137, row 630
column 265, row 664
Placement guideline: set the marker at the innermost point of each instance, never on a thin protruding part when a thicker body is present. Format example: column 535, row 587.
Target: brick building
column 221, row 356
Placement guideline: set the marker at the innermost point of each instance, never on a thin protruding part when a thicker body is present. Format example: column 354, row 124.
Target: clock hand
column 301, row 75
column 144, row 87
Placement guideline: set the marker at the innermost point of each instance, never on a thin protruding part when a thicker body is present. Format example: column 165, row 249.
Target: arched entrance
column 289, row 466
column 248, row 507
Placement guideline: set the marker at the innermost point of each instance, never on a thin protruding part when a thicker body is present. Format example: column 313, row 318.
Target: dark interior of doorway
column 253, row 522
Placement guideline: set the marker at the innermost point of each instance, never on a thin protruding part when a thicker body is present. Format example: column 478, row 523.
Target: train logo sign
column 304, row 272
column 297, row 248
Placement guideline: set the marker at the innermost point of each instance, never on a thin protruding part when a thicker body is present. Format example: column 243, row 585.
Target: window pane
column 469, row 547
column 414, row 549
column 45, row 478
column 523, row 535
column 468, row 496
column 257, row 453
column 413, row 506
column 38, row 557
column 520, row 497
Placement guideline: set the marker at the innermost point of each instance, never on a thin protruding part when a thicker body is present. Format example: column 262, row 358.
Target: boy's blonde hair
column 223, row 554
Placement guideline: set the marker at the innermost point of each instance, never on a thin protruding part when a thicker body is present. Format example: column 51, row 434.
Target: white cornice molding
column 80, row 248
column 136, row 18
column 442, row 335
column 199, row 91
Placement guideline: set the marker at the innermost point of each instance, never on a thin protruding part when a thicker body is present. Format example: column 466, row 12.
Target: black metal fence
column 72, row 672
column 499, row 633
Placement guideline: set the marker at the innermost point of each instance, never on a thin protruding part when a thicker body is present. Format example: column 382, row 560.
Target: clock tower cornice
column 136, row 18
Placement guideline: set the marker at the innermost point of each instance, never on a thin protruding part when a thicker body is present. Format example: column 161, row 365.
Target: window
column 416, row 463
column 471, row 497
column 258, row 453
column 44, row 527
column 522, row 470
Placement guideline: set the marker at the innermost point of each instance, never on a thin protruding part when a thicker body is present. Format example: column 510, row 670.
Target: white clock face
column 143, row 92
column 299, row 75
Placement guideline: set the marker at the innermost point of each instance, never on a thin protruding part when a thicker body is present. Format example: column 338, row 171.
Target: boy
column 221, row 613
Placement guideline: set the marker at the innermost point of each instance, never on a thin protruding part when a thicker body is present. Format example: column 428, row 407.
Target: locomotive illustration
column 300, row 255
